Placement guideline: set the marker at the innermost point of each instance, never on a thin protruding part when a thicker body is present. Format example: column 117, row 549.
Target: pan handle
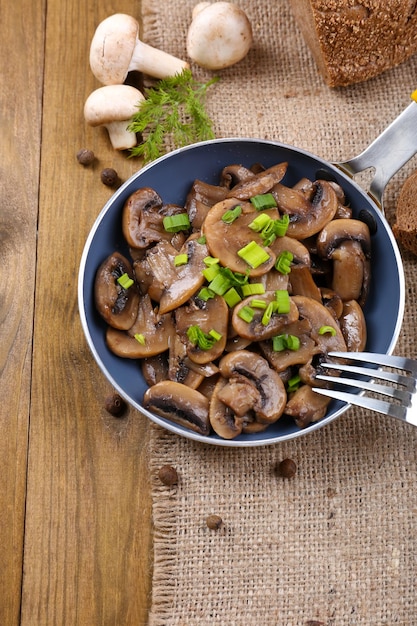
column 388, row 152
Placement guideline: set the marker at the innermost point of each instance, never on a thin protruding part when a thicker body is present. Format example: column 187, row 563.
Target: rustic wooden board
column 75, row 508
column 21, row 74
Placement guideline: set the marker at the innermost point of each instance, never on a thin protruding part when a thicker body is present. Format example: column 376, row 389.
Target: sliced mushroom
column 117, row 305
column 313, row 215
column 272, row 394
column 255, row 330
column 223, row 420
column 353, row 326
column 260, row 183
column 225, row 240
column 348, row 243
column 231, row 175
column 143, row 215
column 208, row 316
column 302, row 283
column 173, row 286
column 149, row 335
column 178, row 369
column 332, row 301
column 284, row 359
column 306, row 406
column 320, row 318
column 201, row 197
column 155, row 368
column 180, row 404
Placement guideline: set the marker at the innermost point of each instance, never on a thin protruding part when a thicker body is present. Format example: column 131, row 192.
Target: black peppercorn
column 168, row 475
column 109, row 177
column 214, row 522
column 115, row 405
column 286, row 468
column 85, row 157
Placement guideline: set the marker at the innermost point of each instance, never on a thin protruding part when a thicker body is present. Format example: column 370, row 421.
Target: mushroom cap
column 219, row 35
column 111, row 103
column 112, row 48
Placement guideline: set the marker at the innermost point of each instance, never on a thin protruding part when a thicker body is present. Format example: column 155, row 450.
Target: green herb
column 246, row 314
column 181, row 259
column 231, row 215
column 175, row 223
column 263, row 201
column 125, row 281
column 323, row 330
column 202, row 340
column 173, row 108
column 253, row 254
column 283, row 262
column 140, row 338
column 285, row 342
column 232, row 297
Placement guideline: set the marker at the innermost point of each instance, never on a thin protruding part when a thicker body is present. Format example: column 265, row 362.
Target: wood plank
column 88, row 522
column 21, row 75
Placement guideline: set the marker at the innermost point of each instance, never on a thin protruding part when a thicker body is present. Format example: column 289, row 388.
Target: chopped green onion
column 278, row 343
column 253, row 254
column 211, row 272
column 125, row 281
column 199, row 338
column 323, row 330
column 253, row 289
column 263, row 201
column 285, row 342
column 293, row 342
column 270, row 309
column 268, row 240
column 232, row 297
column 246, row 314
column 216, row 336
column 201, row 240
column 260, row 222
column 205, row 294
column 180, row 259
column 220, row 284
column 294, row 383
column 231, row 215
column 140, row 338
column 258, row 304
column 210, row 260
column 175, row 223
column 281, row 225
column 283, row 262
column 282, row 297
column 235, row 278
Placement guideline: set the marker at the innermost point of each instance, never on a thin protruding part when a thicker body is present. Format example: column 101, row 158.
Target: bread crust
column 405, row 227
column 354, row 41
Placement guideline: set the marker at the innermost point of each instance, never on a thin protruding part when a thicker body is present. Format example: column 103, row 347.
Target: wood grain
column 75, row 507
column 21, row 51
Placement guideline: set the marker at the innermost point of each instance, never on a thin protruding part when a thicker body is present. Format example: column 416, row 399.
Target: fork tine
column 381, row 406
column 405, row 381
column 389, row 360
column 393, row 392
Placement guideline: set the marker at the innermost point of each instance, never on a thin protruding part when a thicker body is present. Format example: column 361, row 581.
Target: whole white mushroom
column 116, row 50
column 113, row 106
column 220, row 35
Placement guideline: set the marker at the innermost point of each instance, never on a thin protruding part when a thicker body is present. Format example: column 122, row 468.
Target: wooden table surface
column 75, row 507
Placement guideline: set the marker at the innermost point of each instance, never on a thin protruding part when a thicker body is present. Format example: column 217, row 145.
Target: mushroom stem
column 121, row 138
column 154, row 62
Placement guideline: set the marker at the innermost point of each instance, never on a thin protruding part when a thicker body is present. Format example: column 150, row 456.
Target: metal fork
column 401, row 390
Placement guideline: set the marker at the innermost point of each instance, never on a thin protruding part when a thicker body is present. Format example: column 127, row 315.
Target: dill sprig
column 174, row 108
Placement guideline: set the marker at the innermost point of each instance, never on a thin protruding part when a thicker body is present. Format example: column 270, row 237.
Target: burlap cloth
column 336, row 544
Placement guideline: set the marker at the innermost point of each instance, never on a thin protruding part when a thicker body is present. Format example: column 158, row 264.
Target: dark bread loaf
column 405, row 227
column 354, row 41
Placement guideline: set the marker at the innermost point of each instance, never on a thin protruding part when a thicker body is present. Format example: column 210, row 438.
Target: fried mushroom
column 180, row 404
column 117, row 305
